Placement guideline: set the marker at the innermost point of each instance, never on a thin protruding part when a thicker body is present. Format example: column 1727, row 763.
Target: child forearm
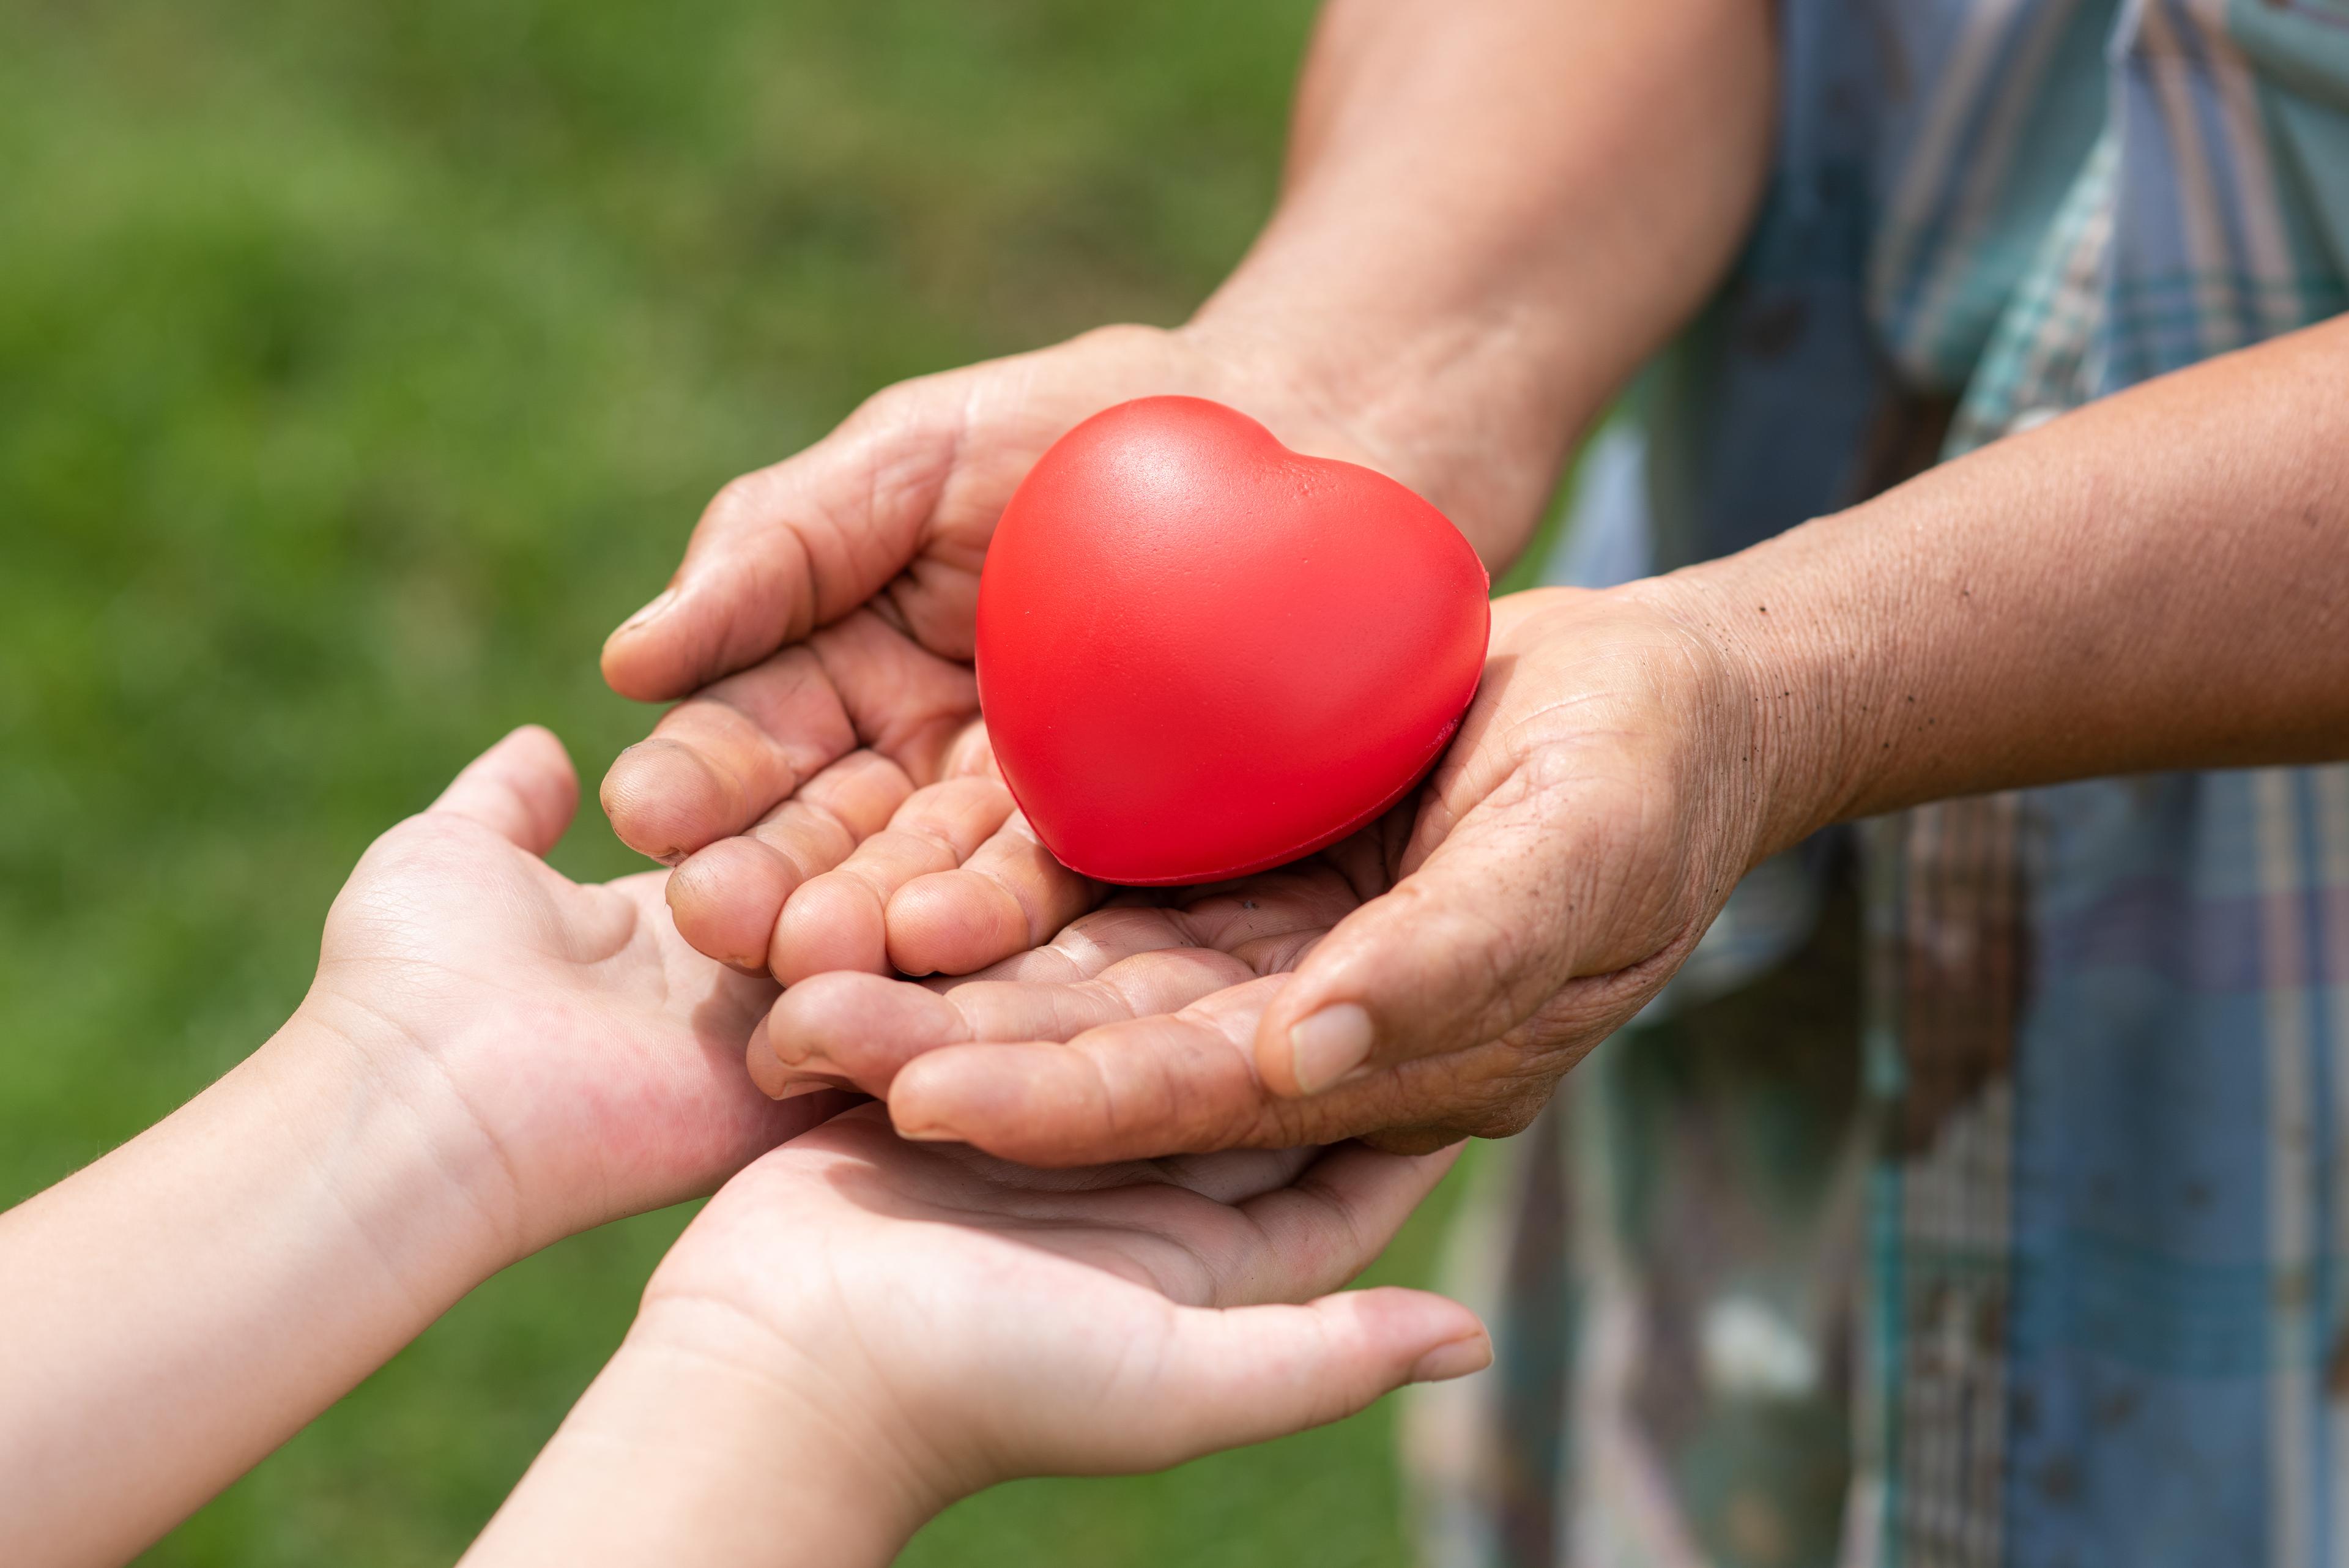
column 685, row 1456
column 183, row 1306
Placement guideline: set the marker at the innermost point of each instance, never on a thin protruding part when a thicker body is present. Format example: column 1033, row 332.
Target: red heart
column 1201, row 654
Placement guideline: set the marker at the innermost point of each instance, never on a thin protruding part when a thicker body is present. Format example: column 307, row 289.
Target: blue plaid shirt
column 2064, row 1284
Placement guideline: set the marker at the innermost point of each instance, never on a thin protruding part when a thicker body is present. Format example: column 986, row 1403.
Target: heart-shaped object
column 1200, row 653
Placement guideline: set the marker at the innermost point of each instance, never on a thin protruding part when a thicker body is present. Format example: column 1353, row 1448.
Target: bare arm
column 2158, row 580
column 187, row 1303
column 1494, row 209
column 858, row 1330
column 491, row 1057
column 1493, row 212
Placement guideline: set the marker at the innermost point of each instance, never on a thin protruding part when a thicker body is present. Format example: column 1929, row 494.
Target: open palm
column 820, row 625
column 997, row 1321
column 1161, row 984
column 571, row 1055
column 1564, row 857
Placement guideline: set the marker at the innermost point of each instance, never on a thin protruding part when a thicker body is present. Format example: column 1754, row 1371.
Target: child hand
column 492, row 1056
column 857, row 1330
column 571, row 1059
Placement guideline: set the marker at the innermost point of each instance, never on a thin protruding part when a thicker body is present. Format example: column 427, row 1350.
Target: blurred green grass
column 359, row 366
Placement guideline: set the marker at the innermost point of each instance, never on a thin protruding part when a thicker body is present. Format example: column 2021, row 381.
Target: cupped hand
column 571, row 1058
column 956, row 1321
column 1427, row 981
column 821, row 627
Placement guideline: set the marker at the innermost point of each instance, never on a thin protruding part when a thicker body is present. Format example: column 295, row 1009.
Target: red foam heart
column 1201, row 654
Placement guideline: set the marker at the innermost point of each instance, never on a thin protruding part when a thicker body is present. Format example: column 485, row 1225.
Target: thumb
column 795, row 546
column 1457, row 953
column 522, row 789
column 1246, row 1375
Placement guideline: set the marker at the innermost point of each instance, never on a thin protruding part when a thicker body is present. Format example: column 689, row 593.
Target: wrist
column 183, row 1306
column 1787, row 702
column 706, row 1443
column 389, row 1138
column 1459, row 407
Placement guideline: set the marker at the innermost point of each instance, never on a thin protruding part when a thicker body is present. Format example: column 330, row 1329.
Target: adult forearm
column 2158, row 580
column 1494, row 210
column 179, row 1309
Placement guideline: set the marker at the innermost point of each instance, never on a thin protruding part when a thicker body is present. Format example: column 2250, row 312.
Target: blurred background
column 360, row 367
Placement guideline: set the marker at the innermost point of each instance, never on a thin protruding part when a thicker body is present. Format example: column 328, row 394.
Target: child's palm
column 1024, row 1321
column 560, row 1036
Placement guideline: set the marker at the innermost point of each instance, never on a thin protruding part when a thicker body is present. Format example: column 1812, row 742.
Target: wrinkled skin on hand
column 1580, row 834
column 835, row 819
column 820, row 630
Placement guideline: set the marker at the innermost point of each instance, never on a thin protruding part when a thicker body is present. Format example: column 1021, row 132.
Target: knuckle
column 907, row 419
column 894, row 404
column 1293, row 1124
column 739, row 500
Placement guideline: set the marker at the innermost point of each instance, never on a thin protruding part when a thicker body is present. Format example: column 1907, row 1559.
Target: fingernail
column 1327, row 1045
column 928, row 1134
column 1457, row 1359
column 661, row 601
column 806, row 1086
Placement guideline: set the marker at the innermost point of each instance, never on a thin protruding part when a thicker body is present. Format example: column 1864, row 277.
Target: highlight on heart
column 1201, row 654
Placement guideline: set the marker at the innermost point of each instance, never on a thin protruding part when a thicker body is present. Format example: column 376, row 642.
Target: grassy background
column 359, row 366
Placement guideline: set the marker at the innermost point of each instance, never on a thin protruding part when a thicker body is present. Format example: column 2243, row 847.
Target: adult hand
column 858, row 1330
column 1462, row 269
column 1428, row 980
column 822, row 621
column 571, row 1058
column 2018, row 616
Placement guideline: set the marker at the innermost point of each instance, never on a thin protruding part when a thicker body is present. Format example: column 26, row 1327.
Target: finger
column 864, row 1028
column 838, row 921
column 727, row 897
column 1140, row 1195
column 1148, row 959
column 1266, row 921
column 1230, row 1176
column 720, row 759
column 907, row 703
column 1299, row 1221
column 1178, row 1083
column 522, row 788
column 1460, row 950
column 1088, row 945
column 795, row 546
column 1164, row 981
column 1011, row 894
column 1323, row 1228
column 1246, row 1375
column 715, row 764
column 1185, row 1082
column 777, row 1081
column 872, row 1044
